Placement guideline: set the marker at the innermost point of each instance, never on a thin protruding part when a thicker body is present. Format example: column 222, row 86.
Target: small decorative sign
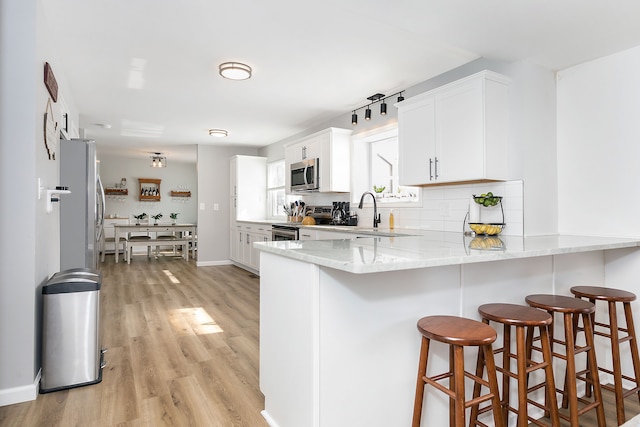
column 50, row 82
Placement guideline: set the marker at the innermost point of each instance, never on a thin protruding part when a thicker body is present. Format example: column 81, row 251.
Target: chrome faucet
column 376, row 216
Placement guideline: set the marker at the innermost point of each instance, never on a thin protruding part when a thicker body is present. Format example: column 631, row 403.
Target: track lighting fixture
column 378, row 97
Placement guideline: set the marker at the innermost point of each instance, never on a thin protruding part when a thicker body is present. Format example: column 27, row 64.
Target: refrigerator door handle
column 101, row 209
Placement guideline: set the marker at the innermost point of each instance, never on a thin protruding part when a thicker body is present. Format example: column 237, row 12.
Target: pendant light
column 158, row 161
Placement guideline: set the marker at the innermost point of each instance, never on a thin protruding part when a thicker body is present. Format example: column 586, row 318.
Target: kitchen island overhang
column 339, row 344
column 421, row 249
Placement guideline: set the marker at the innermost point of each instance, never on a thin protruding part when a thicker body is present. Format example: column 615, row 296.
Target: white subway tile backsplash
column 444, row 208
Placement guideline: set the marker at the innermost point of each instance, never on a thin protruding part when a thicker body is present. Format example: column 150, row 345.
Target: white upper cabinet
column 332, row 149
column 455, row 133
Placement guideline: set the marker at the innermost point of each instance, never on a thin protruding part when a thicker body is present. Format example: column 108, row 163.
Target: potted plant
column 156, row 218
column 174, row 217
column 140, row 217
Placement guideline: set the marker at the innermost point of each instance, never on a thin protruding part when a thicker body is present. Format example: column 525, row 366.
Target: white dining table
column 122, row 230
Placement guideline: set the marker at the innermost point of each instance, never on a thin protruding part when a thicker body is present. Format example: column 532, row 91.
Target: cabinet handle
column 240, row 235
column 248, row 239
column 430, row 169
column 436, row 168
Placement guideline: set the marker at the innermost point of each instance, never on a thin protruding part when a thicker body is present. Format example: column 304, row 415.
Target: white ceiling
column 149, row 68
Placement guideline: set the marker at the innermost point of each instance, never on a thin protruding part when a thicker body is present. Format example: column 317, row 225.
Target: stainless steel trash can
column 71, row 348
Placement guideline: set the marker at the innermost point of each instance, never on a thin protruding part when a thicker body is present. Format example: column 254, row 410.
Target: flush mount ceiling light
column 378, row 97
column 218, row 133
column 235, row 71
column 158, row 161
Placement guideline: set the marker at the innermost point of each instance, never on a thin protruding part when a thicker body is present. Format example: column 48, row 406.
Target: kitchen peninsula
column 338, row 338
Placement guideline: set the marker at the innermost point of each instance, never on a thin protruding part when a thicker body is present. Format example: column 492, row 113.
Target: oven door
column 283, row 232
column 304, row 175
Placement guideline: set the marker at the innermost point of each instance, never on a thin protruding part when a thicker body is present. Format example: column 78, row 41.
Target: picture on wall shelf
column 50, row 82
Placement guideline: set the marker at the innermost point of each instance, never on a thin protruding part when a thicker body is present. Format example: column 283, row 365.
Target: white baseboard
column 270, row 420
column 213, row 263
column 20, row 394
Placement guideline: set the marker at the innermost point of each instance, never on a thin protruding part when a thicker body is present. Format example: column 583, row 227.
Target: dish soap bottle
column 391, row 220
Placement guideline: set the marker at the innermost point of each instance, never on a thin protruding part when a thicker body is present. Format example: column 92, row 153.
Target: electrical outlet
column 201, row 206
column 216, row 207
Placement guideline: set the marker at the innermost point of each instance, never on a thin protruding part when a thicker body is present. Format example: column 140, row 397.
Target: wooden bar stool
column 572, row 309
column 458, row 333
column 612, row 332
column 525, row 320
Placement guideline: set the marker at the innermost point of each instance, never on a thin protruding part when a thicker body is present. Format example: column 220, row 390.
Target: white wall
column 598, row 149
column 176, row 174
column 213, row 189
column 29, row 249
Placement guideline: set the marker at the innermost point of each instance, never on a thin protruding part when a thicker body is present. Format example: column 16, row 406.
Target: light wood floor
column 182, row 351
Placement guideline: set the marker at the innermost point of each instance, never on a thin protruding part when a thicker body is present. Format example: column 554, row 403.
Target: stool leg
column 521, row 360
column 633, row 343
column 615, row 354
column 456, row 384
column 591, row 355
column 570, row 376
column 493, row 385
column 473, row 418
column 551, row 401
column 506, row 365
column 422, row 371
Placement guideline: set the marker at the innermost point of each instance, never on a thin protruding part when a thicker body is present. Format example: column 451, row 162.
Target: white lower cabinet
column 306, row 234
column 243, row 236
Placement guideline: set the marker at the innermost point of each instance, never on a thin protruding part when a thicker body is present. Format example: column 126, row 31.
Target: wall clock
column 50, row 131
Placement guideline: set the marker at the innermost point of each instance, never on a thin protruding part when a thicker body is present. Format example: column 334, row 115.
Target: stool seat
column 601, row 293
column 514, row 314
column 560, row 304
column 456, row 330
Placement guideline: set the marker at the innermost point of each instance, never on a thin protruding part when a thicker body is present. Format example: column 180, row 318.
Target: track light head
column 400, row 98
column 367, row 113
column 383, row 108
column 354, row 118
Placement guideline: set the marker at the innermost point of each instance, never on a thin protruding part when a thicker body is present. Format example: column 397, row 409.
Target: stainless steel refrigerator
column 82, row 211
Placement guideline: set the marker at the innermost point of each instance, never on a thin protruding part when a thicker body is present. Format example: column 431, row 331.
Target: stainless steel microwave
column 305, row 175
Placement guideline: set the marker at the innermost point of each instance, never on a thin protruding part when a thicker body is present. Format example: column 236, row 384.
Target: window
column 381, row 175
column 275, row 190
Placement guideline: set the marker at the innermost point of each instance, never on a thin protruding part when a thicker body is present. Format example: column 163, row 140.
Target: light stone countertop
column 413, row 249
